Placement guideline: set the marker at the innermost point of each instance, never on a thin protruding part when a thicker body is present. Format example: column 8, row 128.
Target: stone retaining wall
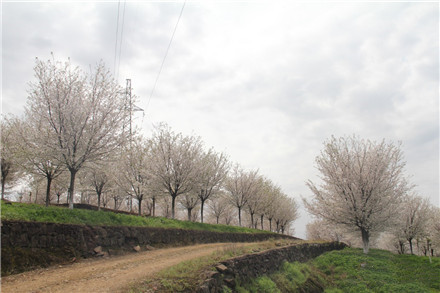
column 28, row 245
column 251, row 266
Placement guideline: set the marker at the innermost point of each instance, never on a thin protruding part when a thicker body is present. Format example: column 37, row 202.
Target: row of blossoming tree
column 75, row 137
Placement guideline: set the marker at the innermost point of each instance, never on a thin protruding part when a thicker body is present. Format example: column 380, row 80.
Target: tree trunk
column 71, row 187
column 140, row 205
column 410, row 245
column 154, row 206
column 365, row 240
column 252, row 219
column 173, row 203
column 217, row 218
column 262, row 228
column 401, row 247
column 228, row 220
column 239, row 216
column 3, row 189
column 202, row 202
column 99, row 201
column 5, row 171
column 270, row 224
column 189, row 214
column 49, row 181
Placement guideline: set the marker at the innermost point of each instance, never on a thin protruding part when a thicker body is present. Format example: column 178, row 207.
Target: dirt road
column 104, row 275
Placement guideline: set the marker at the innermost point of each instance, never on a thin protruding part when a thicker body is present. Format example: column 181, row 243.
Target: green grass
column 39, row 213
column 350, row 270
column 292, row 277
column 262, row 284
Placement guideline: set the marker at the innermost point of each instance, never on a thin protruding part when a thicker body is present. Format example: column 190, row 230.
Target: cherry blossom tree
column 82, row 113
column 413, row 219
column 323, row 230
column 174, row 166
column 274, row 200
column 241, row 185
column 287, row 213
column 165, row 206
column 189, row 201
column 9, row 167
column 219, row 205
column 135, row 177
column 60, row 186
column 363, row 185
column 213, row 170
column 99, row 179
column 266, row 202
column 256, row 202
column 33, row 155
column 433, row 229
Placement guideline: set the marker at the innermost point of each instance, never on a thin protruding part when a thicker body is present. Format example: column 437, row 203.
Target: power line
column 117, row 64
column 122, row 34
column 166, row 54
column 116, row 42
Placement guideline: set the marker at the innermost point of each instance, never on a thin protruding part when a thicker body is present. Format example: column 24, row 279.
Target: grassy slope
column 350, row 270
column 188, row 275
column 380, row 271
column 38, row 213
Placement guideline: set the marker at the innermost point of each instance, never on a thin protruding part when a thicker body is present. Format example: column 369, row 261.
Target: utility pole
column 131, row 108
column 130, row 104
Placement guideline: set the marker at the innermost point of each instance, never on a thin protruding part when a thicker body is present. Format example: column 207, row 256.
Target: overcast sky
column 266, row 82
